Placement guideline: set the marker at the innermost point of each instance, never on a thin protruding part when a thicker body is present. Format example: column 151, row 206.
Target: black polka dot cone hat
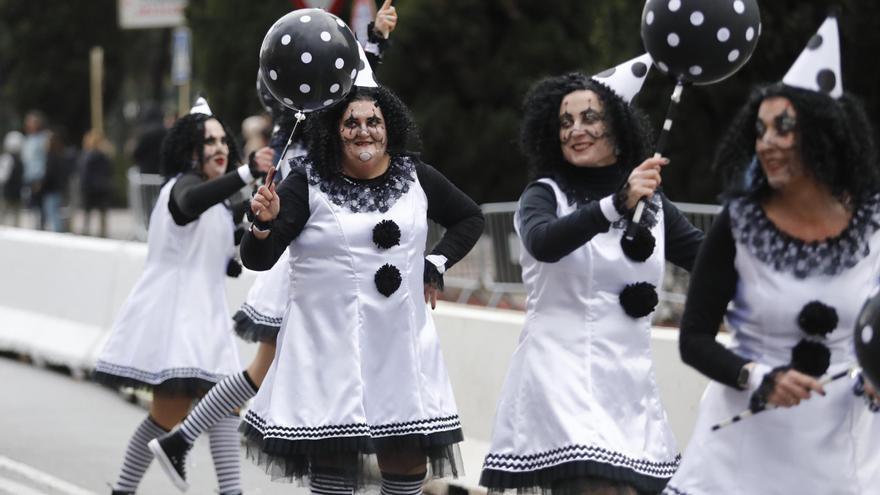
column 818, row 66
column 627, row 78
column 201, row 106
column 365, row 78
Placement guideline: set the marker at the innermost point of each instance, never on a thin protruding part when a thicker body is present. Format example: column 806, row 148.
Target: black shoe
column 120, row 492
column 170, row 450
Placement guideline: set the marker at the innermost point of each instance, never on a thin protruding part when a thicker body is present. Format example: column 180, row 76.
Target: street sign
column 181, row 66
column 139, row 14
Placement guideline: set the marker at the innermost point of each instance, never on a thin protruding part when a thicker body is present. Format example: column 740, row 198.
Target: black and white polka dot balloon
column 309, row 59
column 269, row 103
column 867, row 337
column 700, row 41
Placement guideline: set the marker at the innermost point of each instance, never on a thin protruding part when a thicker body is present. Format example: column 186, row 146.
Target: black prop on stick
column 851, row 372
column 695, row 42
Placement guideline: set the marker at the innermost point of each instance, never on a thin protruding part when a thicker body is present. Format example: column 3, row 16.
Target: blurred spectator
column 11, row 171
column 256, row 131
column 95, row 180
column 60, row 163
column 149, row 141
column 34, row 152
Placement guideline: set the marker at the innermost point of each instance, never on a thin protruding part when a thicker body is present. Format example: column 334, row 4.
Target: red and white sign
column 139, row 14
column 332, row 6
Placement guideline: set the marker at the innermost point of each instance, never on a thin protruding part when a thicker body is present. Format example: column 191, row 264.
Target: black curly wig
column 539, row 131
column 834, row 137
column 187, row 136
column 322, row 129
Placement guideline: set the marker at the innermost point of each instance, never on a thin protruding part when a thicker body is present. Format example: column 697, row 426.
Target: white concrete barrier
column 59, row 294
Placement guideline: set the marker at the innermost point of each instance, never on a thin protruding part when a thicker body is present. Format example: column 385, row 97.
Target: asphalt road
column 62, row 436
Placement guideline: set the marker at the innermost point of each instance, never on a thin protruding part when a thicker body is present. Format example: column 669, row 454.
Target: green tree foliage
column 44, row 57
column 463, row 67
column 226, row 44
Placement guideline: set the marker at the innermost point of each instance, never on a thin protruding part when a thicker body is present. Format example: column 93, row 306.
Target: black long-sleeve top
column 447, row 205
column 549, row 238
column 192, row 195
column 712, row 287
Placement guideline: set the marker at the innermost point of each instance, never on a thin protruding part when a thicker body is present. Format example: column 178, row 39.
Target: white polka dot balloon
column 270, row 104
column 867, row 338
column 700, row 41
column 307, row 58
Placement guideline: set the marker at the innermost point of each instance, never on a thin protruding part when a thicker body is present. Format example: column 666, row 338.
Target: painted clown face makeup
column 215, row 150
column 776, row 140
column 362, row 130
column 583, row 130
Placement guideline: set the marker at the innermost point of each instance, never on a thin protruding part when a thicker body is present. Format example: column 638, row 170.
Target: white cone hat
column 627, row 78
column 201, row 106
column 818, row 66
column 365, row 77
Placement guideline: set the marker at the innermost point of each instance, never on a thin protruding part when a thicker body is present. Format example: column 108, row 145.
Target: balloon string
column 632, row 228
column 299, row 118
column 852, row 372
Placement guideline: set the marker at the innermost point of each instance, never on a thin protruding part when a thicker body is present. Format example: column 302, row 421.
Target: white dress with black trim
column 825, row 445
column 259, row 317
column 174, row 332
column 358, row 365
column 580, row 399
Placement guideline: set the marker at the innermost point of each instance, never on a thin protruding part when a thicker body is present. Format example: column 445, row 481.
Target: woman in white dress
column 580, row 411
column 787, row 264
column 173, row 334
column 358, row 371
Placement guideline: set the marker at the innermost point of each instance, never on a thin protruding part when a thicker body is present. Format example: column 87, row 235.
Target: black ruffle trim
column 567, row 478
column 187, row 387
column 387, row 279
column 810, row 357
column 817, row 319
column 295, row 460
column 251, row 331
column 639, row 299
column 641, row 247
column 386, row 234
column 752, row 228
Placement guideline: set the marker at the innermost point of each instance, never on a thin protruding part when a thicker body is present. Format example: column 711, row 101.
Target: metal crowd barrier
column 143, row 191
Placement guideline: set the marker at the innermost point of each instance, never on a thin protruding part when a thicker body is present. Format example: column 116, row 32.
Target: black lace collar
column 785, row 253
column 359, row 195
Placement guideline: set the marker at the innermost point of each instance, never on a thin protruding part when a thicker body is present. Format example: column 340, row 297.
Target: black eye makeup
column 785, row 123
column 590, row 116
column 566, row 120
column 760, row 129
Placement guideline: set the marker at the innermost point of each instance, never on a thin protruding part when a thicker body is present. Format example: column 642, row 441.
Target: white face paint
column 583, row 131
column 776, row 142
column 215, row 150
column 363, row 133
